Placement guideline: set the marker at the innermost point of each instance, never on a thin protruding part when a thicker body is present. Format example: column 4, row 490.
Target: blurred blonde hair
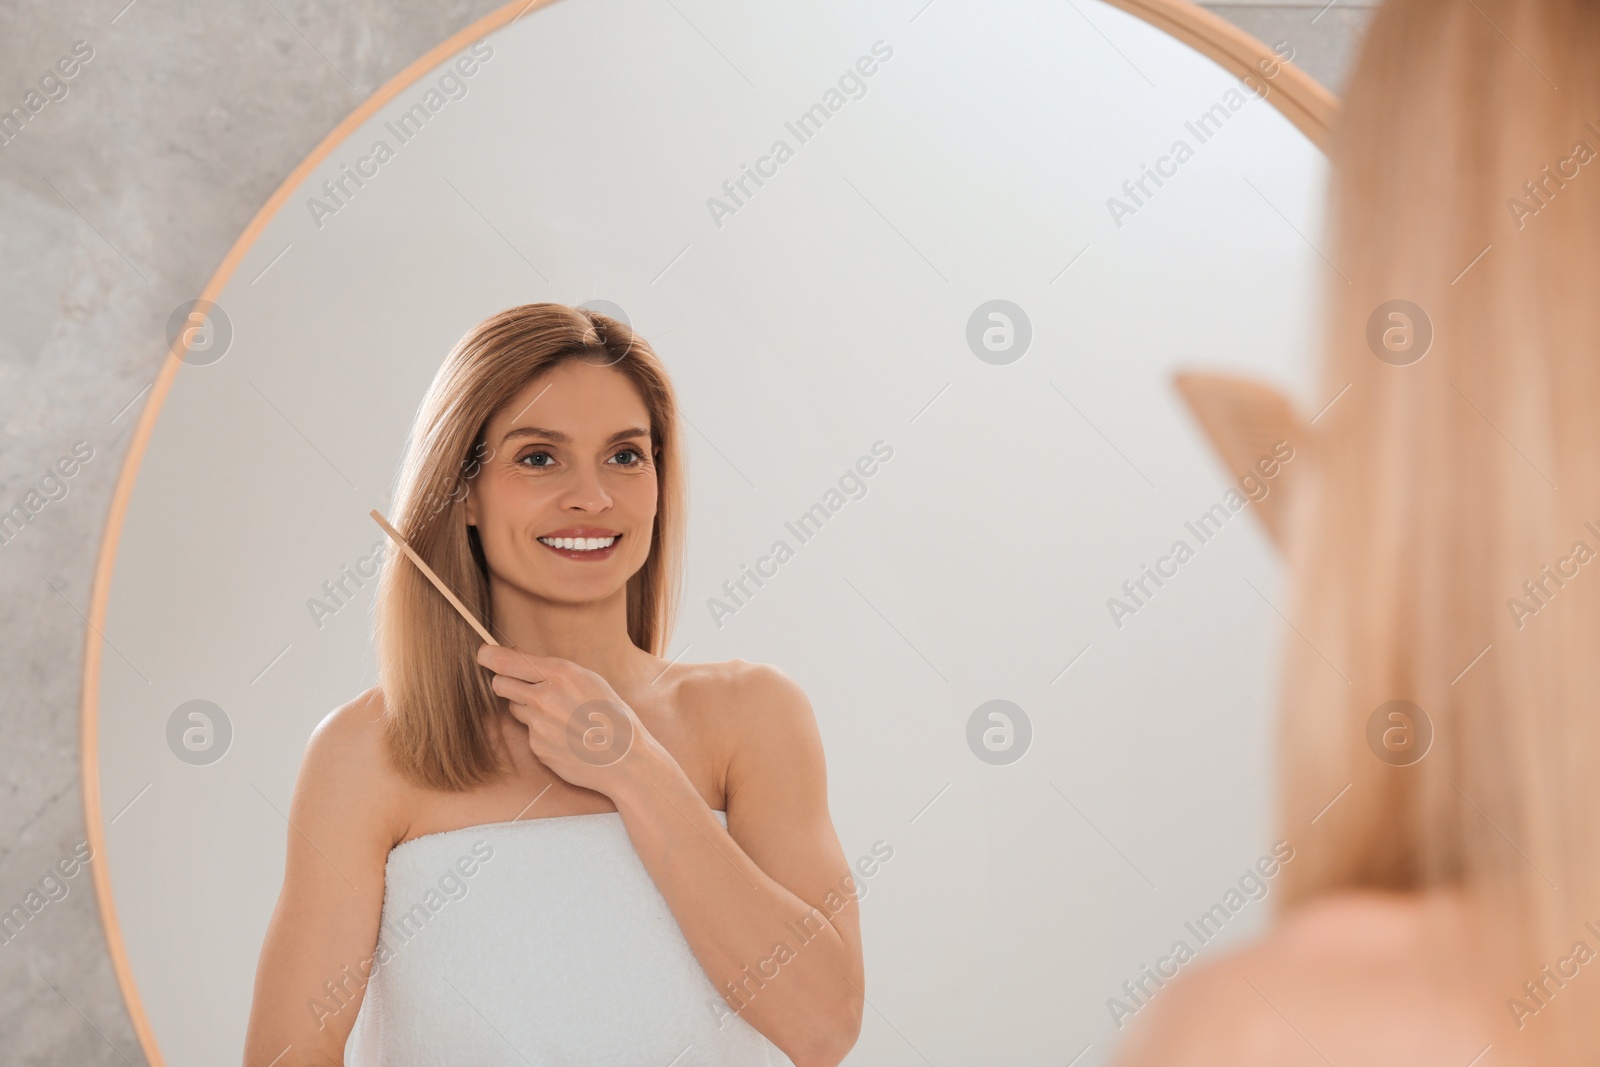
column 439, row 709
column 1438, row 488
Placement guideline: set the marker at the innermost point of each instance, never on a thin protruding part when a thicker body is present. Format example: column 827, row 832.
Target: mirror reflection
column 966, row 682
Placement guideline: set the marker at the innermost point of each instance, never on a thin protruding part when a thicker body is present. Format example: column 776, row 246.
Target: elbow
column 828, row 1046
column 822, row 1054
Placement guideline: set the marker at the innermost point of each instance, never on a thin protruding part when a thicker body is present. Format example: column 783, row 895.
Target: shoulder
column 738, row 677
column 735, row 687
column 762, row 715
column 748, row 697
column 346, row 772
column 1208, row 1015
column 1343, row 956
column 353, row 728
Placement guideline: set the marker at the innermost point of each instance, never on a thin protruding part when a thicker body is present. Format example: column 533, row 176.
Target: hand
column 577, row 725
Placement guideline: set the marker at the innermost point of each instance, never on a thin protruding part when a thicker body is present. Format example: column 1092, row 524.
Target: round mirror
column 922, row 281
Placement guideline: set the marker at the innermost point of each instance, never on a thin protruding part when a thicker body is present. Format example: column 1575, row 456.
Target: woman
column 564, row 849
column 1443, row 902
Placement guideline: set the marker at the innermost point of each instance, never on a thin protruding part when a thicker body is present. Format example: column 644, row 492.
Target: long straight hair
column 1443, row 550
column 439, row 710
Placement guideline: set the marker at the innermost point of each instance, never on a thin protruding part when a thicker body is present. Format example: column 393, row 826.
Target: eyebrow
column 561, row 438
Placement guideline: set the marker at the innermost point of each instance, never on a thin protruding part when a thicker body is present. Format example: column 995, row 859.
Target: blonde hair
column 439, row 709
column 1440, row 486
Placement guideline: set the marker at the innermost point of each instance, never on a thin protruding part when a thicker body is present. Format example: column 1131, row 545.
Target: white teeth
column 582, row 544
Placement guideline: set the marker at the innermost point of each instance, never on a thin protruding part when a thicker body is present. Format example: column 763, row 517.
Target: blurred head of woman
column 1444, row 682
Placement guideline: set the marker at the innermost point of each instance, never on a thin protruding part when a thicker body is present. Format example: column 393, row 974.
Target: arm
column 319, row 947
column 768, row 904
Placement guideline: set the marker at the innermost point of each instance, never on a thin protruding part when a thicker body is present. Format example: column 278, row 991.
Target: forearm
column 778, row 962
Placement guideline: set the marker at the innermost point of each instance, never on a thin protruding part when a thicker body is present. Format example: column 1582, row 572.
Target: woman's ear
column 1248, row 422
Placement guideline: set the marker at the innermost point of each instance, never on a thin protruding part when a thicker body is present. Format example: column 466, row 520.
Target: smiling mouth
column 585, row 548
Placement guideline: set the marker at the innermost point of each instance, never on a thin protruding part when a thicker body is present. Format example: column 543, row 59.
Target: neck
column 592, row 634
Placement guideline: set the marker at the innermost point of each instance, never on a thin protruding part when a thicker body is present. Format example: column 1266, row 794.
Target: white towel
column 535, row 943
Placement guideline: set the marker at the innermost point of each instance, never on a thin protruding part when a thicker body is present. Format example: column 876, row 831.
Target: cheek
column 642, row 498
column 640, row 503
column 512, row 498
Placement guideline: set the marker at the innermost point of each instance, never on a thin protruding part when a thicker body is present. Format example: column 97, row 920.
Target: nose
column 585, row 492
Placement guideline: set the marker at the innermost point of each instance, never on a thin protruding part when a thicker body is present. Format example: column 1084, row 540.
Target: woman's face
column 565, row 502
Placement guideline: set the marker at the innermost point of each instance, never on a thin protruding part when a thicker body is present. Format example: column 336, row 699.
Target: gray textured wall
column 118, row 202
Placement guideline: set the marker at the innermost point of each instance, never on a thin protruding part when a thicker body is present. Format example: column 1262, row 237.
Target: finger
column 503, row 659
column 517, row 690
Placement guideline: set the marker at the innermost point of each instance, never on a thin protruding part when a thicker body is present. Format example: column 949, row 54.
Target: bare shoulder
column 746, row 697
column 353, row 728
column 1290, row 998
column 346, row 770
column 754, row 679
column 1209, row 1014
column 764, row 723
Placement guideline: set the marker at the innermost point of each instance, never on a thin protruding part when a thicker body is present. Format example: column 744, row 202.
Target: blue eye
column 639, row 458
